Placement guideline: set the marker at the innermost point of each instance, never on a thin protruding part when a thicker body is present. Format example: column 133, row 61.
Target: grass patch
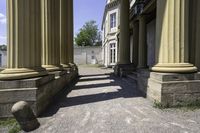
column 186, row 106
column 11, row 124
column 159, row 105
column 91, row 65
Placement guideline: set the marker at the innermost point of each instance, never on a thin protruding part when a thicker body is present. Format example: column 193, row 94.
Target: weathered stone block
column 38, row 92
column 25, row 116
column 173, row 89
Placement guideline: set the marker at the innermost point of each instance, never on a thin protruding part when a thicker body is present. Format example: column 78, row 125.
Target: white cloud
column 2, row 18
column 2, row 15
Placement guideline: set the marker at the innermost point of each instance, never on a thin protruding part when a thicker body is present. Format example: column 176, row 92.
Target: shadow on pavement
column 62, row 100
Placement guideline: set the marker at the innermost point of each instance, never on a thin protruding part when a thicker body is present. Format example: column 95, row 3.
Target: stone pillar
column 51, row 34
column 70, row 31
column 172, row 49
column 194, row 32
column 135, row 42
column 64, row 20
column 24, row 40
column 142, row 49
column 124, row 42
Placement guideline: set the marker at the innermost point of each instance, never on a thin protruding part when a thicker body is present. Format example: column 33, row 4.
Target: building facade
column 110, row 26
column 88, row 55
column 158, row 38
column 110, row 30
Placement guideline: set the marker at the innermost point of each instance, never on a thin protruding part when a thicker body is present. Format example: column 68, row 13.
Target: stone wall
column 88, row 55
column 38, row 92
column 174, row 89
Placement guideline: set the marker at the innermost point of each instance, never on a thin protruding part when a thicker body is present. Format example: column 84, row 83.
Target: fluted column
column 24, row 40
column 142, row 49
column 70, row 32
column 124, row 42
column 51, row 34
column 172, row 49
column 64, row 55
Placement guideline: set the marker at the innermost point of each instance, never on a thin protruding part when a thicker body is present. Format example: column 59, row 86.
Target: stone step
column 132, row 75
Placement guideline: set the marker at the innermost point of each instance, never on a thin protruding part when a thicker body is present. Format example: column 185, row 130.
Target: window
column 112, row 53
column 112, row 20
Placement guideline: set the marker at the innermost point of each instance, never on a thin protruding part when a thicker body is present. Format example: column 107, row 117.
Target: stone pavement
column 103, row 103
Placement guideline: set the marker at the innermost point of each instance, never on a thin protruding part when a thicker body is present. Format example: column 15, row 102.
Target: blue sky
column 84, row 10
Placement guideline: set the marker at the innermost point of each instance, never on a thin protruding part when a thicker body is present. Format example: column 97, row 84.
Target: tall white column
column 51, row 34
column 124, row 41
column 24, row 40
column 172, row 49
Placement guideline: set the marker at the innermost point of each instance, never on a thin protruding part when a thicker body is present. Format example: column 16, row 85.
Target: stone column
column 70, row 32
column 135, row 42
column 172, row 49
column 51, row 34
column 64, row 20
column 124, row 42
column 24, row 40
column 194, row 32
column 142, row 49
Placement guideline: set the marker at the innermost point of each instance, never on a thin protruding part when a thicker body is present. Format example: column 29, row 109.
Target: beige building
column 158, row 45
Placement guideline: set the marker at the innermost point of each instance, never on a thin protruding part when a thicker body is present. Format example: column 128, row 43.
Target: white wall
column 84, row 55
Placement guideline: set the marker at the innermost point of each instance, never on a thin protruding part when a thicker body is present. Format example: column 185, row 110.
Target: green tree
column 88, row 35
column 3, row 47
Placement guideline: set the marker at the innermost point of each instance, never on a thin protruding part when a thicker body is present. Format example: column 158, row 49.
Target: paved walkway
column 102, row 103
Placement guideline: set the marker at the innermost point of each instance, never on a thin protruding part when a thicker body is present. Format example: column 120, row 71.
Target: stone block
column 39, row 94
column 25, row 116
column 173, row 89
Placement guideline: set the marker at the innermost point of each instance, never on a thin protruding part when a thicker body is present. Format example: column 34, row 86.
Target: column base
column 51, row 68
column 22, row 73
column 123, row 69
column 66, row 67
column 74, row 67
column 174, row 68
column 170, row 89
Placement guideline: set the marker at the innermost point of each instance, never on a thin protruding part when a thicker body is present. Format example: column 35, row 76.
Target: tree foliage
column 88, row 35
column 3, row 47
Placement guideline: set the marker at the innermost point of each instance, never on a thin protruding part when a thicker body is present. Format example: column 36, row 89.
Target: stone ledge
column 26, row 83
column 123, row 69
column 38, row 92
column 174, row 77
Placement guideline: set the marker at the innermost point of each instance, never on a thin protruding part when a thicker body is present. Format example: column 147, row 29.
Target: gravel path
column 102, row 103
